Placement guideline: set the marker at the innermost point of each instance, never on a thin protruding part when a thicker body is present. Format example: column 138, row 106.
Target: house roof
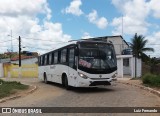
column 105, row 37
column 22, row 57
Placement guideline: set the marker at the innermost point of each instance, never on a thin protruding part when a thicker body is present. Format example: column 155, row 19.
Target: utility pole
column 19, row 51
column 122, row 25
column 11, row 42
column 136, row 65
column 122, row 33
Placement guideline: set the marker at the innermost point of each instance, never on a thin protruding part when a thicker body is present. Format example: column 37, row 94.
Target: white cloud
column 152, row 39
column 134, row 15
column 74, row 8
column 100, row 22
column 154, row 5
column 22, row 18
column 86, row 35
column 154, row 42
column 130, row 26
column 29, row 7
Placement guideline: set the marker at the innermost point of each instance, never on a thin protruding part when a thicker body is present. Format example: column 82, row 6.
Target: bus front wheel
column 66, row 83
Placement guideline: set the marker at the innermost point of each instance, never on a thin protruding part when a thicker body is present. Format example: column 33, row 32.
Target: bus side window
column 55, row 57
column 47, row 59
column 42, row 60
column 71, row 58
column 59, row 56
column 52, row 59
column 39, row 60
column 63, row 56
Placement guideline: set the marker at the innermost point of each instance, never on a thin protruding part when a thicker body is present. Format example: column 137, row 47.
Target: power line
column 8, row 46
column 42, row 39
column 7, row 41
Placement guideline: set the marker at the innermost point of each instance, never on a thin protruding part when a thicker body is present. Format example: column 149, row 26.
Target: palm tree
column 138, row 47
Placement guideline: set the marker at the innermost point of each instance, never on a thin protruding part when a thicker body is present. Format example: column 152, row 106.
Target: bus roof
column 74, row 42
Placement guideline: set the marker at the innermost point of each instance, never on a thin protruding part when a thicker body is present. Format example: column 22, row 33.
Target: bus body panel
column 72, row 76
column 54, row 74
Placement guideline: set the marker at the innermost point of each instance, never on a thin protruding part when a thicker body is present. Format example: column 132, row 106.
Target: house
column 29, row 66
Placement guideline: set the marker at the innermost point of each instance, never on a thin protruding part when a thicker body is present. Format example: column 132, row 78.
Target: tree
column 138, row 46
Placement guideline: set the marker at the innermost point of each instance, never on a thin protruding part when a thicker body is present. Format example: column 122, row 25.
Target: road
column 54, row 95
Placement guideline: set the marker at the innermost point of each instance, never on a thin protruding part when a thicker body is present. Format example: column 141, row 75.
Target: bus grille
column 100, row 83
column 98, row 78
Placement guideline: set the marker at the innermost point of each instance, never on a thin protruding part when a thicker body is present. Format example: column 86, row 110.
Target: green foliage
column 138, row 46
column 151, row 79
column 9, row 87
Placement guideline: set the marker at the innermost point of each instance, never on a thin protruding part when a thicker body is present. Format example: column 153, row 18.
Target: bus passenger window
column 42, row 60
column 50, row 58
column 39, row 61
column 71, row 57
column 45, row 60
column 63, row 55
column 56, row 57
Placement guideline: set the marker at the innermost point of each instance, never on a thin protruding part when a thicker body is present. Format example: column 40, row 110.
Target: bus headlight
column 114, row 76
column 82, row 75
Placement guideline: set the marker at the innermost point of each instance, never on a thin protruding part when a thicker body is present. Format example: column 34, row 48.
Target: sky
column 44, row 24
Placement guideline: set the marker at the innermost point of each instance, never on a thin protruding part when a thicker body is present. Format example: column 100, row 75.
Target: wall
column 29, row 68
column 122, row 70
column 139, row 67
column 118, row 43
column 1, row 70
column 7, row 69
column 119, row 67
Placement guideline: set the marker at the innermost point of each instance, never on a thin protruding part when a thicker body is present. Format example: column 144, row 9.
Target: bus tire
column 45, row 78
column 66, row 83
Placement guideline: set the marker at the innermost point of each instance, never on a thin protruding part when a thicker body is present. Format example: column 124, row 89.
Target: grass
column 9, row 87
column 151, row 80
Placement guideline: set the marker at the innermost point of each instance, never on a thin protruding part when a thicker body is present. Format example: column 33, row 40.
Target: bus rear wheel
column 45, row 78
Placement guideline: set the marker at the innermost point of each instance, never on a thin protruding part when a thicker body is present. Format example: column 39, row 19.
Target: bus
column 80, row 63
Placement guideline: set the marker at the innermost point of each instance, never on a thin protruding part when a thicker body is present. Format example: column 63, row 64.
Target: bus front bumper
column 93, row 83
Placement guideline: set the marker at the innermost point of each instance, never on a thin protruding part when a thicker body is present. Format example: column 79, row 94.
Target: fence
column 26, row 70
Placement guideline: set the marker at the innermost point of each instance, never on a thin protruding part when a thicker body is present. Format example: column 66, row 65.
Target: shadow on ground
column 84, row 89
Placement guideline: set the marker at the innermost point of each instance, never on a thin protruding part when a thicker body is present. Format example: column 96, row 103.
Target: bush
column 151, row 79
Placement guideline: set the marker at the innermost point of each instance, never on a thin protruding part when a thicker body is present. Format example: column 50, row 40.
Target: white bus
column 81, row 63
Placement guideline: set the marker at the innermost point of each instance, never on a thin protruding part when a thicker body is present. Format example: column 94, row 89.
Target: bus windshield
column 97, row 58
